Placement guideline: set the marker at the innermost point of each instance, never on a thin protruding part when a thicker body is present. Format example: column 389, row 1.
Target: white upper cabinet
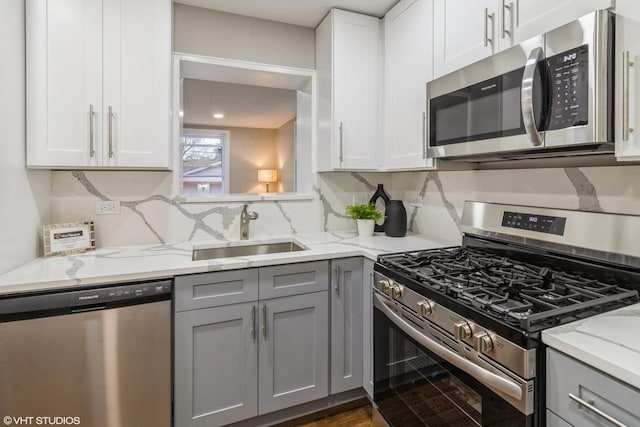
column 98, row 83
column 407, row 68
column 137, row 82
column 627, row 80
column 463, row 33
column 524, row 19
column 348, row 68
column 467, row 31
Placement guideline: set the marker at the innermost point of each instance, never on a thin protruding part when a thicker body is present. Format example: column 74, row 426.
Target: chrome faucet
column 245, row 217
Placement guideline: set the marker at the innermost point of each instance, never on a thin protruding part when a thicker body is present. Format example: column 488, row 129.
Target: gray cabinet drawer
column 293, row 279
column 555, row 421
column 567, row 376
column 215, row 289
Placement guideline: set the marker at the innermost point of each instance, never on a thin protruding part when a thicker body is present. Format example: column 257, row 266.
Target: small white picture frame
column 68, row 238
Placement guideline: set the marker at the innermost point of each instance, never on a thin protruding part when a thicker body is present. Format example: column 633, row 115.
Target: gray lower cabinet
column 583, row 396
column 555, row 421
column 293, row 357
column 293, row 279
column 216, row 365
column 214, row 289
column 346, row 324
column 367, row 330
column 237, row 361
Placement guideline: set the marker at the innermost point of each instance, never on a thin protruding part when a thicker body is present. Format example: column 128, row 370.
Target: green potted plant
column 366, row 216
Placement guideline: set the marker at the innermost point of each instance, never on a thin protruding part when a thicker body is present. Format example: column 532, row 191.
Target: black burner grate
column 520, row 293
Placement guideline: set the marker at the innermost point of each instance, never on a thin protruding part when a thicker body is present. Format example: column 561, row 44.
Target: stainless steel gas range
column 457, row 330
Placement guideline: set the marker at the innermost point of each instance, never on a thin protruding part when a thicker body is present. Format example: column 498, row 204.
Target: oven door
column 433, row 385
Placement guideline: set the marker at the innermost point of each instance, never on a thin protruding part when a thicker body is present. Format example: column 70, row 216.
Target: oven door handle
column 489, row 379
column 526, row 96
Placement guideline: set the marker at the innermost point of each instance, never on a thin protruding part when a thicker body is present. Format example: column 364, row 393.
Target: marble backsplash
column 151, row 213
column 441, row 195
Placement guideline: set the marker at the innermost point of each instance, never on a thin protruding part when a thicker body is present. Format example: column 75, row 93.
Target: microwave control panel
column 569, row 73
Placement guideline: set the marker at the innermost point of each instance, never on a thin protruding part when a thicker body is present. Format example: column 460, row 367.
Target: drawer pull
column 264, row 320
column 253, row 322
column 596, row 411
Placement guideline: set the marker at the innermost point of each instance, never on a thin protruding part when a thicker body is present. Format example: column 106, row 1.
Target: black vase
column 379, row 194
column 396, row 222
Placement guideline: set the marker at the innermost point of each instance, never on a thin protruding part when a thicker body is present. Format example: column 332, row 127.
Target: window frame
column 235, row 71
column 190, row 131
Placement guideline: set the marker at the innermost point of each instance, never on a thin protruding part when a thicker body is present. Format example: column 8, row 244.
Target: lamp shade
column 267, row 175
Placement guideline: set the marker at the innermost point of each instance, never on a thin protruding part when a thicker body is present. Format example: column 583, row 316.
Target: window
column 240, row 164
column 204, row 162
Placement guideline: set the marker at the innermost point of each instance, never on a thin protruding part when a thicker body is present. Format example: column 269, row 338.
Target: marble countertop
column 109, row 265
column 609, row 342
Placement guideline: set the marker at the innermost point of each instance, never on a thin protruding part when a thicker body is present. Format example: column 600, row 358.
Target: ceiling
column 242, row 105
column 307, row 13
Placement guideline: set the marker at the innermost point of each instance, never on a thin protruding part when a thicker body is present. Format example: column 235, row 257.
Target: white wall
column 250, row 149
column 225, row 35
column 285, row 155
column 24, row 194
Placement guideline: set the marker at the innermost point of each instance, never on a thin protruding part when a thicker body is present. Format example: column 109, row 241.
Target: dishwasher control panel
column 95, row 298
column 119, row 293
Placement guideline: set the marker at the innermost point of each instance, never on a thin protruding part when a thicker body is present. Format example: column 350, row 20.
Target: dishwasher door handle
column 85, row 309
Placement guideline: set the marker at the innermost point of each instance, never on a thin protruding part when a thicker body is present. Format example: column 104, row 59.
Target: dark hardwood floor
column 353, row 414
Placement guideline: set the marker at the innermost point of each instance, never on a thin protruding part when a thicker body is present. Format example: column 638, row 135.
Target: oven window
column 414, row 387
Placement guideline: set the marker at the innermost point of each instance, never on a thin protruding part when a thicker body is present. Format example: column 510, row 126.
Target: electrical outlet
column 108, row 207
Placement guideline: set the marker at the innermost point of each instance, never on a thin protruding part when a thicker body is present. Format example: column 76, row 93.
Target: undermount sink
column 246, row 250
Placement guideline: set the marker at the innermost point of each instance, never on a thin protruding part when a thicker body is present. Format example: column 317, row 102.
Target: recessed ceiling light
column 218, row 116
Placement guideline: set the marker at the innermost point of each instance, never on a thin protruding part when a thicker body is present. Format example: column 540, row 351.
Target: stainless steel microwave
column 549, row 96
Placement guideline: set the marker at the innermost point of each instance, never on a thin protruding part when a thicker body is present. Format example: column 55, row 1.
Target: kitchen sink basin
column 246, row 250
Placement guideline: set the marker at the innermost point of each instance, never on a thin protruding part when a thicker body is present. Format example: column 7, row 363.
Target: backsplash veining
column 151, row 213
column 442, row 194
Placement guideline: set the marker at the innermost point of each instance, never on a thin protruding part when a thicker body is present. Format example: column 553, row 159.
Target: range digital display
column 532, row 222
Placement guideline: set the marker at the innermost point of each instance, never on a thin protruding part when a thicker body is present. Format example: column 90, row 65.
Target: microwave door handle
column 526, row 97
column 487, row 378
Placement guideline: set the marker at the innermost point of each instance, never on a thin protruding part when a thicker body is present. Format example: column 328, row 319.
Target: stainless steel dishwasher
column 95, row 357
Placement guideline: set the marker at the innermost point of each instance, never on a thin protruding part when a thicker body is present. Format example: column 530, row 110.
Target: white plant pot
column 365, row 227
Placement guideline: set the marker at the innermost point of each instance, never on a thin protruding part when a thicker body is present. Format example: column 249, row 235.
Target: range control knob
column 384, row 285
column 482, row 342
column 397, row 291
column 462, row 330
column 426, row 307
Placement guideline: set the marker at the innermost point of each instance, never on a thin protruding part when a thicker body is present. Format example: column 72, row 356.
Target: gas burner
column 442, row 261
column 520, row 293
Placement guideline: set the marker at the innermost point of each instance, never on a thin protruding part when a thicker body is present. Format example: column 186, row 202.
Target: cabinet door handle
column 264, row 320
column 626, row 64
column 337, row 287
column 596, row 411
column 424, row 134
column 92, row 151
column 488, row 16
column 253, row 322
column 506, row 7
column 110, row 132
column 340, row 154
